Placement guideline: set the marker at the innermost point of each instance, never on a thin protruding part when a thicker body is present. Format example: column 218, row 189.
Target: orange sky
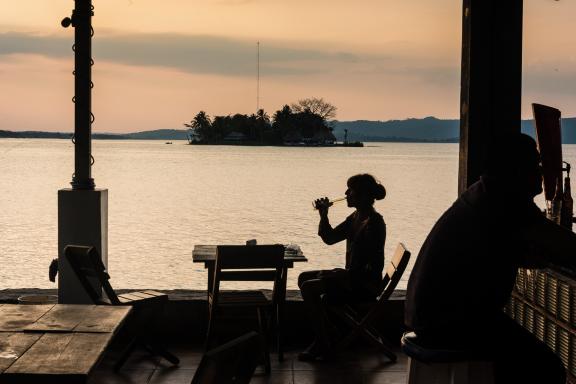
column 160, row 62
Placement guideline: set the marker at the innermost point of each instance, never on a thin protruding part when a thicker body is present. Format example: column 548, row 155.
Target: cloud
column 18, row 43
column 193, row 54
column 224, row 56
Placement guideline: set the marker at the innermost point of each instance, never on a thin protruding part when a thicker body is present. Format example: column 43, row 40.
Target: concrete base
column 82, row 220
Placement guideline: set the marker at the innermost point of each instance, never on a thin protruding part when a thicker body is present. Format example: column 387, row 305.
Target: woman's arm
column 332, row 235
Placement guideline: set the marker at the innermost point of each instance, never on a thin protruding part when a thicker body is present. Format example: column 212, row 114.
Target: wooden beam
column 491, row 80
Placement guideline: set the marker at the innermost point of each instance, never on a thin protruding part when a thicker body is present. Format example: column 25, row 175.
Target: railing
column 544, row 302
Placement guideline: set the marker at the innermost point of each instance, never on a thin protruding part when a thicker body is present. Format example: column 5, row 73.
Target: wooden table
column 58, row 343
column 207, row 254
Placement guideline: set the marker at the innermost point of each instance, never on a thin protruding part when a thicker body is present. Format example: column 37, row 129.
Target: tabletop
column 58, row 343
column 206, row 253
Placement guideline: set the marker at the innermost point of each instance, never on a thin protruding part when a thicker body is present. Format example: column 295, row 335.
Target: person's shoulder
column 376, row 214
column 376, row 217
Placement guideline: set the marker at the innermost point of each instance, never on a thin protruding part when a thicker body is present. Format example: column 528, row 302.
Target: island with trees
column 305, row 123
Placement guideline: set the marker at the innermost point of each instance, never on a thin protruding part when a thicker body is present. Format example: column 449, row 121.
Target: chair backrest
column 394, row 271
column 249, row 256
column 233, row 362
column 248, row 263
column 89, row 268
column 549, row 137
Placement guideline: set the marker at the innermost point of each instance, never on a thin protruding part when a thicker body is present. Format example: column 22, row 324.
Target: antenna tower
column 258, row 78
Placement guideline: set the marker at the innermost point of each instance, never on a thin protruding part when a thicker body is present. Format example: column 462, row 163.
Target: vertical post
column 82, row 23
column 82, row 210
column 491, row 80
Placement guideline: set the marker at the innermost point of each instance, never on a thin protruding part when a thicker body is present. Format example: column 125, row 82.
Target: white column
column 82, row 220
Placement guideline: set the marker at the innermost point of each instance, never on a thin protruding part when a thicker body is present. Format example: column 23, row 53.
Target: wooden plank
column 142, row 295
column 59, row 357
column 128, row 297
column 103, row 319
column 13, row 345
column 61, row 318
column 203, row 253
column 15, row 317
column 154, row 293
column 247, row 275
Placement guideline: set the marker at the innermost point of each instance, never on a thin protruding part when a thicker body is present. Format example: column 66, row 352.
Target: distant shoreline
column 113, row 137
column 425, row 130
column 150, row 136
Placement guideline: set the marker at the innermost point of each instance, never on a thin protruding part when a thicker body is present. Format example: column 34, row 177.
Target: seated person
column 466, row 268
column 365, row 234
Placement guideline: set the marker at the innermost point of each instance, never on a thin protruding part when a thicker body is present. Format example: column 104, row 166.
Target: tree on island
column 288, row 127
column 199, row 127
column 317, row 106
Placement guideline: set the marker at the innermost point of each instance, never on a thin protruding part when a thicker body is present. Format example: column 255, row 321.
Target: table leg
column 210, row 267
column 280, row 314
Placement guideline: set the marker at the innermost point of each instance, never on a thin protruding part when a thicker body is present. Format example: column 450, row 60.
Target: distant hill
column 158, row 134
column 54, row 135
column 429, row 129
column 568, row 129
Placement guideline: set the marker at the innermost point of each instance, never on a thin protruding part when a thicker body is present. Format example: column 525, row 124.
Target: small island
column 305, row 123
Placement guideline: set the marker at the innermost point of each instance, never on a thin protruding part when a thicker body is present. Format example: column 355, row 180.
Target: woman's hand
column 322, row 205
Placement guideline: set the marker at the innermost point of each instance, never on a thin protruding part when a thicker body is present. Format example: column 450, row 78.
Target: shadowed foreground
column 356, row 366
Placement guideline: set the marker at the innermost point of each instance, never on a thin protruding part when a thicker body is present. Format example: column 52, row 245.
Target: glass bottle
column 555, row 206
column 567, row 205
column 330, row 202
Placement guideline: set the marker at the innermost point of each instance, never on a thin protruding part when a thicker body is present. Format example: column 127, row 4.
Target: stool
column 429, row 363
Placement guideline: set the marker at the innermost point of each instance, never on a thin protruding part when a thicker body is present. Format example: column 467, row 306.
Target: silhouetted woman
column 365, row 234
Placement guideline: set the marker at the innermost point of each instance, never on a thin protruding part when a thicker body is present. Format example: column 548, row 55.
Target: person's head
column 362, row 190
column 514, row 162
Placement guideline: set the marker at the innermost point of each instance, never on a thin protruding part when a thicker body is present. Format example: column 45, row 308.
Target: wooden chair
column 361, row 322
column 247, row 263
column 233, row 362
column 88, row 267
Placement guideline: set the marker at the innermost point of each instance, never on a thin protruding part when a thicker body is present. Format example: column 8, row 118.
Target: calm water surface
column 163, row 199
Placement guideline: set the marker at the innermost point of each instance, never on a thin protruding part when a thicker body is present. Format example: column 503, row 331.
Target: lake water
column 163, row 199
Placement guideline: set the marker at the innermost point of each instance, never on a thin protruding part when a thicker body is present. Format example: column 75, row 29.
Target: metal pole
column 81, row 20
column 258, row 78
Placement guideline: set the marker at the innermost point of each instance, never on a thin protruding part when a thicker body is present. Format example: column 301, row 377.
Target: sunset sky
column 157, row 63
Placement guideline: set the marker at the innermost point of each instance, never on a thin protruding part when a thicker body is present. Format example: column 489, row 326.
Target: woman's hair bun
column 379, row 191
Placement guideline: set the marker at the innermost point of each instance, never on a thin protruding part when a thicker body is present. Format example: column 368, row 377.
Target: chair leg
column 209, row 330
column 372, row 336
column 264, row 336
column 363, row 329
column 279, row 334
column 125, row 354
column 163, row 352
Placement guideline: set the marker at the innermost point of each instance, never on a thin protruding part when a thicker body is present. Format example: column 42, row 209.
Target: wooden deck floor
column 357, row 366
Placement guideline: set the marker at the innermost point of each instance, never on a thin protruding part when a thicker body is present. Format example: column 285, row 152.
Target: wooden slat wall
column 544, row 302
